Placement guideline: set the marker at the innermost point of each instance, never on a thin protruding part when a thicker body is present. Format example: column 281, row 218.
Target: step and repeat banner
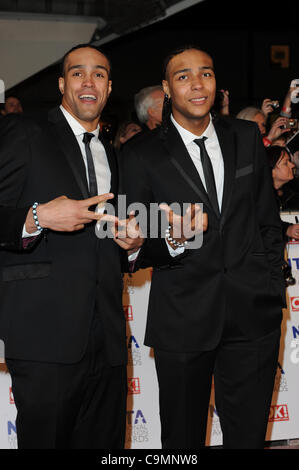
column 143, row 424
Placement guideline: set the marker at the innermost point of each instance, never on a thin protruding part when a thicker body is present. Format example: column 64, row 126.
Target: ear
column 166, row 88
column 61, row 85
column 109, row 87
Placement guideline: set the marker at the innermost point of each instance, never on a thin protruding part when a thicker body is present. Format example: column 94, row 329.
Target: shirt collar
column 75, row 125
column 188, row 137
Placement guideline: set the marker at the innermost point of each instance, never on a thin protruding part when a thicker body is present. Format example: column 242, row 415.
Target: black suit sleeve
column 15, row 159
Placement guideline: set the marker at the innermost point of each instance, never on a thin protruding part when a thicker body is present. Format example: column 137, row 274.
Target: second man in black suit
column 215, row 309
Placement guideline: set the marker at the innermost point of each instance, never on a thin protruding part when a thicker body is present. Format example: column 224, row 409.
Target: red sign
column 11, row 398
column 134, row 386
column 128, row 312
column 278, row 413
column 295, row 304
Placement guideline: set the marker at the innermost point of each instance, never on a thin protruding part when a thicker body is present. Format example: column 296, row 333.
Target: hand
column 185, row 227
column 293, row 231
column 267, row 107
column 66, row 215
column 127, row 234
column 276, row 130
column 225, row 103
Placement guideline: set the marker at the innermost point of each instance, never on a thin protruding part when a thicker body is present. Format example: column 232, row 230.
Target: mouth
column 198, row 101
column 87, row 98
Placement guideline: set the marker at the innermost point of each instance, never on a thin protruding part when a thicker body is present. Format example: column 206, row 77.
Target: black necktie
column 208, row 174
column 93, row 187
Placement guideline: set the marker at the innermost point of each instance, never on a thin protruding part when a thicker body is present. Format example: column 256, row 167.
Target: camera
column 291, row 124
column 275, row 104
column 289, row 280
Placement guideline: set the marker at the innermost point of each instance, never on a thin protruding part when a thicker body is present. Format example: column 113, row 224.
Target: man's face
column 261, row 122
column 13, row 105
column 191, row 85
column 85, row 86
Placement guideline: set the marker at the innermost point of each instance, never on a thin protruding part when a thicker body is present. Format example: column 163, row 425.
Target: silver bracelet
column 35, row 218
column 174, row 242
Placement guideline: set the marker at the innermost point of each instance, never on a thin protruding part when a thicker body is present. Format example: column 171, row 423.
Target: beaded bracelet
column 35, row 218
column 172, row 241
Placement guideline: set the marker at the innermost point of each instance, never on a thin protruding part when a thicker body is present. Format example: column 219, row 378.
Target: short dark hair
column 81, row 46
column 274, row 153
column 167, row 108
column 178, row 51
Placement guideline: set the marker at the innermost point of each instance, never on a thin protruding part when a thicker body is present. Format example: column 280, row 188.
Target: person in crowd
column 61, row 315
column 12, row 105
column 293, row 90
column 125, row 131
column 148, row 106
column 211, row 310
column 221, row 105
column 257, row 115
column 282, row 170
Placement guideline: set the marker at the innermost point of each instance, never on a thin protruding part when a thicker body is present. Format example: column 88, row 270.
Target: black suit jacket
column 50, row 290
column 238, row 267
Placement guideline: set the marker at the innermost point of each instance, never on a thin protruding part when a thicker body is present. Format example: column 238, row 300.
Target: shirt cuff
column 174, row 252
column 133, row 256
column 27, row 235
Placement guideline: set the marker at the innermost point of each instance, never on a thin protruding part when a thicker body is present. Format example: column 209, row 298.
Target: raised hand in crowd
column 286, row 109
column 267, row 106
column 224, row 104
column 278, row 128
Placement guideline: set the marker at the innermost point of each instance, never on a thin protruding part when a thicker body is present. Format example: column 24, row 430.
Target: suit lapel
column 226, row 140
column 180, row 158
column 70, row 148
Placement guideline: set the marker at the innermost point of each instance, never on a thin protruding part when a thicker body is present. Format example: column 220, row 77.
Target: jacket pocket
column 25, row 271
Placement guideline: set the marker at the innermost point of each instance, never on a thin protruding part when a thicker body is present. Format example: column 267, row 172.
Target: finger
column 107, row 218
column 168, row 212
column 91, row 201
column 79, row 227
column 122, row 243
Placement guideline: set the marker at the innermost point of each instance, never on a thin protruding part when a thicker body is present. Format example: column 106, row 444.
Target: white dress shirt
column 214, row 152
column 101, row 165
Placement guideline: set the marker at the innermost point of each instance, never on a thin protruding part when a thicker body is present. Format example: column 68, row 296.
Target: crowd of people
column 61, row 315
column 276, row 125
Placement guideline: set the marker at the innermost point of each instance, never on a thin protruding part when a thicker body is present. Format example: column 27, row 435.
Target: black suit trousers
column 244, row 374
column 71, row 406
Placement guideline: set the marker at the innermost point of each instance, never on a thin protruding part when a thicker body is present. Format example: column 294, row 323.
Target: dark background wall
column 237, row 35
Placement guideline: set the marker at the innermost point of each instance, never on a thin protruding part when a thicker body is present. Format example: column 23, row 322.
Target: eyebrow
column 79, row 66
column 205, row 67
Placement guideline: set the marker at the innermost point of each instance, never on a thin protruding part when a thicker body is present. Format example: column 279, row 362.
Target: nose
column 197, row 82
column 88, row 81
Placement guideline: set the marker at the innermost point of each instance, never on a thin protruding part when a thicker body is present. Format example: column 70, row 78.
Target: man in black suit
column 215, row 309
column 61, row 315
